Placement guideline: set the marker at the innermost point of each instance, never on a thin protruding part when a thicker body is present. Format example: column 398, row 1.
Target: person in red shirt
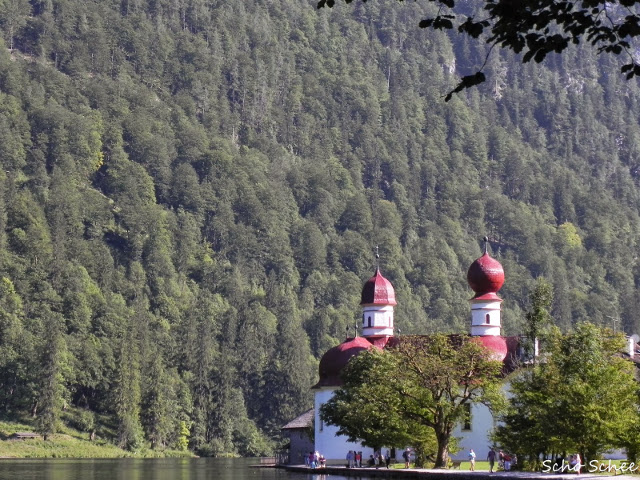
column 507, row 462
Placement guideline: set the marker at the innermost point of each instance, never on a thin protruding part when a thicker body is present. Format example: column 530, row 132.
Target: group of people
column 380, row 460
column 505, row 460
column 354, row 459
column 315, row 460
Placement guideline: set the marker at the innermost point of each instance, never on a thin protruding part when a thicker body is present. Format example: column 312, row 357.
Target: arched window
column 488, row 318
column 369, row 321
column 467, row 417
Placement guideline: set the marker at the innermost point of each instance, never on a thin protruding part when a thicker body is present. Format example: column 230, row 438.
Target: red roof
column 487, row 297
column 505, row 350
column 336, row 358
column 378, row 291
column 485, row 276
column 496, row 344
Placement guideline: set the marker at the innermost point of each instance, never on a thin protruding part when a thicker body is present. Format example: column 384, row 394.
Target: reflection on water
column 146, row 469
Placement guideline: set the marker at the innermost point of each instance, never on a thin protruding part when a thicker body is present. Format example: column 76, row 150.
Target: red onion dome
column 336, row 358
column 485, row 275
column 496, row 344
column 378, row 291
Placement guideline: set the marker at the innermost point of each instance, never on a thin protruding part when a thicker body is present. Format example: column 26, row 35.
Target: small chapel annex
column 485, row 277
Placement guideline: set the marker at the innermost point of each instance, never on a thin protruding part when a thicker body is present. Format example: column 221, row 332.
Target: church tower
column 486, row 277
column 377, row 300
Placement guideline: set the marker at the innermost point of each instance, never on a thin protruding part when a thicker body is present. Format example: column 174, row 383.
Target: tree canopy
column 536, row 28
column 368, row 407
column 581, row 397
column 415, row 392
column 538, row 317
column 192, row 191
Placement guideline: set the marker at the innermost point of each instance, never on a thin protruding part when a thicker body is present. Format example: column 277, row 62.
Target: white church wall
column 477, row 437
column 335, row 447
column 482, row 426
column 327, row 441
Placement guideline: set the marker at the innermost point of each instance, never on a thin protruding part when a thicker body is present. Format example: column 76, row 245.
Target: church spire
column 485, row 277
column 377, row 301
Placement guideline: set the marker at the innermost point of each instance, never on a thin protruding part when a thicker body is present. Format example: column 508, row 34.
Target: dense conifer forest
column 192, row 191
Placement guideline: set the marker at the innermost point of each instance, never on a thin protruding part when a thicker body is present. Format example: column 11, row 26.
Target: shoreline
column 74, row 447
column 439, row 474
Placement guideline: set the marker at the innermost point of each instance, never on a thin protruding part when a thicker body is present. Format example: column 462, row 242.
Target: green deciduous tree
column 367, row 408
column 435, row 379
column 580, row 397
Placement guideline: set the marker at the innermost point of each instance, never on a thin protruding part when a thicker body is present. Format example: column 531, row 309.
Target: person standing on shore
column 492, row 459
column 407, row 457
column 577, row 463
column 472, row 460
column 507, row 462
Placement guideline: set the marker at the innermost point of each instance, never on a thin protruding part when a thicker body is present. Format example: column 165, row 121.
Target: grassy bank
column 69, row 443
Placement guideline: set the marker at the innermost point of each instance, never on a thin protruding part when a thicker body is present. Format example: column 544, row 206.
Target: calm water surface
column 146, row 469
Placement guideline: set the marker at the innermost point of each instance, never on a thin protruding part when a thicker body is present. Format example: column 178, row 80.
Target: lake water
column 146, row 469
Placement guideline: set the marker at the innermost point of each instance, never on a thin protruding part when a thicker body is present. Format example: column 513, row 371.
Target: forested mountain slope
column 192, row 191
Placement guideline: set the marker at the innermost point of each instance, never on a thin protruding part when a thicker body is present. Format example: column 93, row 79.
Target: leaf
column 426, row 23
column 441, row 23
column 473, row 29
column 328, row 3
column 466, row 82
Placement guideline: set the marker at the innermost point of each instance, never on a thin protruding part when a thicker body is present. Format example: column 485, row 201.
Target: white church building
column 485, row 277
